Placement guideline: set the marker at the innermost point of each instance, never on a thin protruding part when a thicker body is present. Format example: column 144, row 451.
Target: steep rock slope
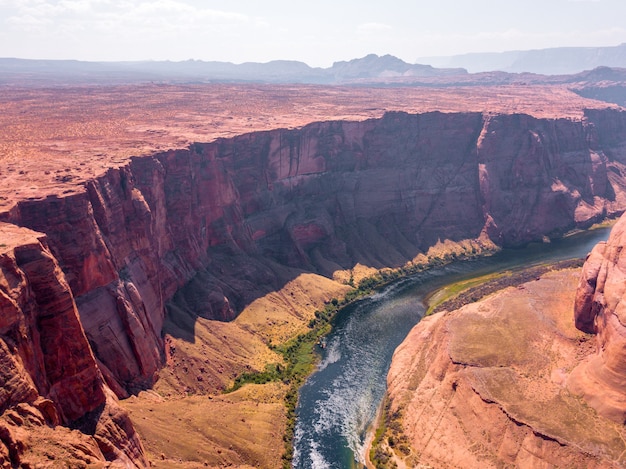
column 599, row 309
column 49, row 374
column 235, row 212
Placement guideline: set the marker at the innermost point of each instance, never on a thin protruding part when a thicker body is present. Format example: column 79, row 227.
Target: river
column 338, row 402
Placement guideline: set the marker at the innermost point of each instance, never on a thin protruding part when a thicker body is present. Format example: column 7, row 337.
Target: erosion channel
column 339, row 402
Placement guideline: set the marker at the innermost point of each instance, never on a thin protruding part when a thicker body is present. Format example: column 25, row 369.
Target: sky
column 317, row 32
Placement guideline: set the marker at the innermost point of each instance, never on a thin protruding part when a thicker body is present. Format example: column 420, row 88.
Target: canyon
column 151, row 257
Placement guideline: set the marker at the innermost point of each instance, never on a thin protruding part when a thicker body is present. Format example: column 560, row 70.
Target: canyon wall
column 49, row 378
column 208, row 228
column 600, row 309
column 320, row 198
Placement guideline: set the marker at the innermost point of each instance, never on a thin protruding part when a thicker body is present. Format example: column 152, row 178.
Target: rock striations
column 600, row 309
column 84, row 301
column 49, row 374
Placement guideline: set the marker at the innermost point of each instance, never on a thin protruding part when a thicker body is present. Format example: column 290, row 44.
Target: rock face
column 600, row 309
column 49, row 374
column 486, row 386
column 320, row 198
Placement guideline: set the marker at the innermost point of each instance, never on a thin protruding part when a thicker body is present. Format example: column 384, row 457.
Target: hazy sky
column 317, row 32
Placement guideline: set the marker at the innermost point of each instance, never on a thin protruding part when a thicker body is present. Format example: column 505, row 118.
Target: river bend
column 338, row 403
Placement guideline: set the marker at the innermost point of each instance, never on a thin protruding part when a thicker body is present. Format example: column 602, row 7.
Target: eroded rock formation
column 321, row 198
column 485, row 386
column 600, row 309
column 49, row 374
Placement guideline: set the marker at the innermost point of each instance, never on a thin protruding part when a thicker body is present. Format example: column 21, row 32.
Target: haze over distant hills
column 553, row 61
column 547, row 66
column 278, row 71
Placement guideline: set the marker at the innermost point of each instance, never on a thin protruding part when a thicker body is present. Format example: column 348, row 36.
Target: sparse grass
column 299, row 361
column 455, row 295
column 389, row 442
column 451, row 291
column 199, row 430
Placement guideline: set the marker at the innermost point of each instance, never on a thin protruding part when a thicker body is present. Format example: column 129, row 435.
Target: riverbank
column 343, row 395
column 273, row 342
column 301, row 353
column 457, row 295
column 251, row 345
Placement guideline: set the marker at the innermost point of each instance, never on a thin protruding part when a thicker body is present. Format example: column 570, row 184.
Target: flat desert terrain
column 54, row 139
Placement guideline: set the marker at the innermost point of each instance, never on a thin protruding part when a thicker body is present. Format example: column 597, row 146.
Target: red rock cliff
column 48, row 372
column 204, row 228
column 318, row 198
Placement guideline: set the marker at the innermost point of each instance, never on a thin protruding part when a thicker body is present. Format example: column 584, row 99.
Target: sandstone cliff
column 320, row 198
column 49, row 374
column 599, row 309
column 209, row 229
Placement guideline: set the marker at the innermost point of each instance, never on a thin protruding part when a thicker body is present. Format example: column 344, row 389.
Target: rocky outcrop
column 49, row 374
column 600, row 309
column 320, row 198
column 485, row 386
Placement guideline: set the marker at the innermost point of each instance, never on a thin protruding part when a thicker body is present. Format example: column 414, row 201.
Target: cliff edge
column 50, row 382
column 600, row 309
column 217, row 225
column 147, row 252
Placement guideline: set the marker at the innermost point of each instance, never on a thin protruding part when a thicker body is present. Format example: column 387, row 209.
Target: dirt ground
column 187, row 422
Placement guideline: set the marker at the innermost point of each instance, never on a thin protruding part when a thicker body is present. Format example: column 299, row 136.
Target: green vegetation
column 385, row 276
column 389, row 440
column 459, row 294
column 299, row 359
column 449, row 292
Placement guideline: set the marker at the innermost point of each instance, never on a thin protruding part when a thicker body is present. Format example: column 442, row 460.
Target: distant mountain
column 371, row 67
column 387, row 66
column 554, row 61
